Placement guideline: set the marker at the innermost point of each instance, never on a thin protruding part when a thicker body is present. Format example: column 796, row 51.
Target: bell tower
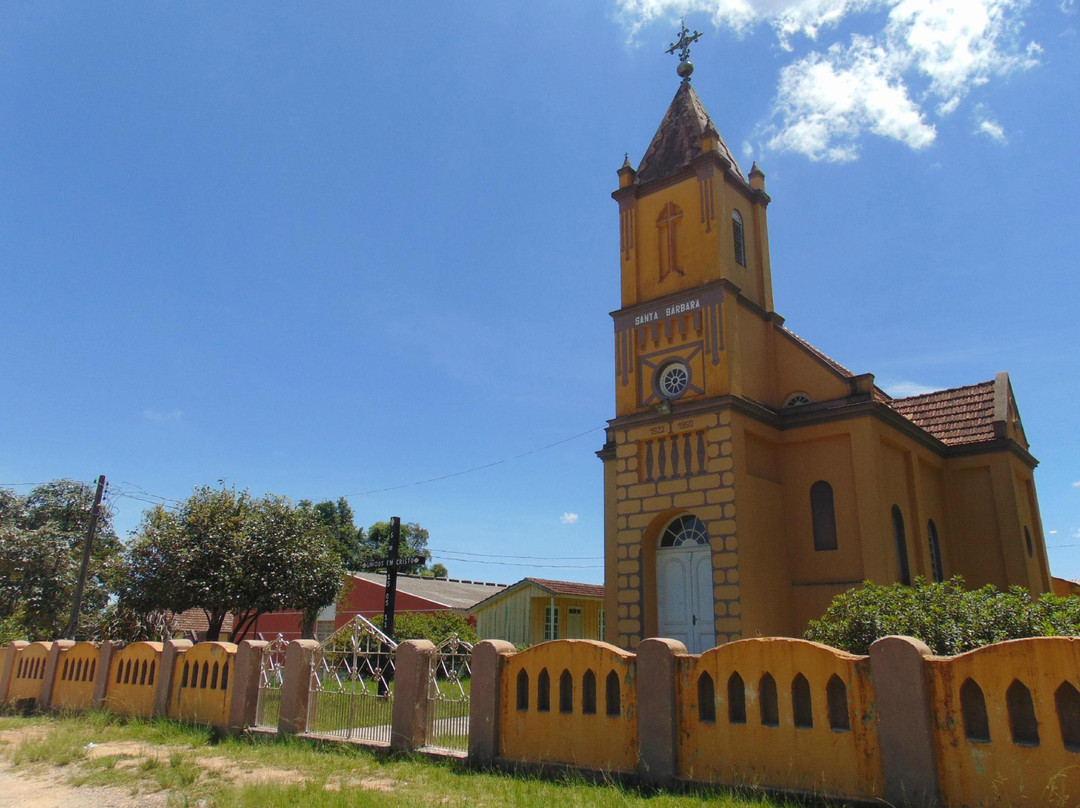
column 693, row 242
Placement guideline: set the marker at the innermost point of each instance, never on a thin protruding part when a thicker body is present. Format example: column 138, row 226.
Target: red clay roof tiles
column 571, row 588
column 957, row 416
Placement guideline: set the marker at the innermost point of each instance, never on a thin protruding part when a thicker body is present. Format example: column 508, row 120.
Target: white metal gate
column 449, row 687
column 352, row 684
column 271, row 678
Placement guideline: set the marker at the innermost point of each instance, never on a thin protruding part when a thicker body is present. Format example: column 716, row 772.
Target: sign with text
column 387, row 563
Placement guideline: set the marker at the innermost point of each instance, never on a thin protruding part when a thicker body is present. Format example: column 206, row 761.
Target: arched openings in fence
column 566, row 692
column 613, row 695
column 736, row 693
column 770, row 708
column 802, row 710
column 973, row 711
column 1022, row 723
column 836, row 698
column 1067, row 705
column 588, row 693
column 543, row 691
column 523, row 690
column 706, row 698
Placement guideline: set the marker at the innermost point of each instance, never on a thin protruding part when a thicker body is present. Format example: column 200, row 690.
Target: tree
column 42, row 536
column 414, row 541
column 348, row 539
column 947, row 617
column 224, row 552
column 433, row 626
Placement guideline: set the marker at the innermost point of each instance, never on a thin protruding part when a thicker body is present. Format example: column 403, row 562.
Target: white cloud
column 907, row 56
column 162, row 415
column 568, row 518
column 993, row 130
column 903, row 389
column 1076, row 484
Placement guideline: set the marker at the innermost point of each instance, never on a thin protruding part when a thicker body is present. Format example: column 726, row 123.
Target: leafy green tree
column 42, row 535
column 414, row 541
column 224, row 552
column 348, row 538
column 949, row 618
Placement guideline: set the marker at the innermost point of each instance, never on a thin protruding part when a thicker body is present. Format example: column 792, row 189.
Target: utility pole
column 73, row 623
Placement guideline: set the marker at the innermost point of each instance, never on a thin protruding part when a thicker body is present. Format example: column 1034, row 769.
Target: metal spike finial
column 682, row 45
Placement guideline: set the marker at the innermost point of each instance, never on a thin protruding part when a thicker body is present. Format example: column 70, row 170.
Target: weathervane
column 686, row 67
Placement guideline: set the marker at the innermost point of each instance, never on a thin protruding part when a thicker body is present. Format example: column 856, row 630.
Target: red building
column 364, row 594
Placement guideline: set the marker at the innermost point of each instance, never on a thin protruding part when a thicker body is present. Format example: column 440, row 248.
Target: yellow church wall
column 696, row 247
column 799, row 371
column 1038, row 566
column 976, row 543
column 762, row 532
column 753, row 375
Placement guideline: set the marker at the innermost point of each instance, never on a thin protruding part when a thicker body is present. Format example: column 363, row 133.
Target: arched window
column 836, row 696
column 588, row 693
column 613, row 695
column 1028, row 544
column 770, row 709
column 684, row 531
column 935, row 551
column 736, row 699
column 901, row 545
column 1022, row 721
column 802, row 710
column 522, row 690
column 706, row 698
column 543, row 691
column 973, row 710
column 823, row 515
column 738, row 238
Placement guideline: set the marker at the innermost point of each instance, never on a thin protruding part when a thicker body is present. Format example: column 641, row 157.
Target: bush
column 946, row 616
column 436, row 626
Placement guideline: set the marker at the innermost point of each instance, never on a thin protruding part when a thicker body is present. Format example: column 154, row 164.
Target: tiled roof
column 194, row 621
column 453, row 594
column 571, row 588
column 955, row 417
column 678, row 139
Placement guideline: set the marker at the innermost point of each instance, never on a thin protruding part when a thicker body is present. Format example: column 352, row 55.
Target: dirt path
column 46, row 789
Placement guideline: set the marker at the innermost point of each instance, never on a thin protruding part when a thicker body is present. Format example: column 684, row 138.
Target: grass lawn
column 194, row 769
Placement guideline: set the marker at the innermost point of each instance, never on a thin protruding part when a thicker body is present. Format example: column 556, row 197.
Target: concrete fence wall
column 1000, row 725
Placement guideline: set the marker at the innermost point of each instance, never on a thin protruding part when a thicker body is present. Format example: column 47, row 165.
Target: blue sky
column 336, row 249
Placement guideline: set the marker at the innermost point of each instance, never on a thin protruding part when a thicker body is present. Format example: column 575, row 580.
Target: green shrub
column 946, row 616
column 436, row 626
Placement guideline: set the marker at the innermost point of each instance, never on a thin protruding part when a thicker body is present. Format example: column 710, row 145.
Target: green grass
column 286, row 772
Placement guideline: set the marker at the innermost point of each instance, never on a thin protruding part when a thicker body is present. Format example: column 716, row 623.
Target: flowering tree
column 225, row 552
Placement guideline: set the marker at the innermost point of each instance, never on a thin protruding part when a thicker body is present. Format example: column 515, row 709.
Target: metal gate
column 352, row 684
column 449, row 686
column 271, row 678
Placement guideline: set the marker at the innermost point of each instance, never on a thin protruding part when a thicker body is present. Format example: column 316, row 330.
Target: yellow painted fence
column 997, row 726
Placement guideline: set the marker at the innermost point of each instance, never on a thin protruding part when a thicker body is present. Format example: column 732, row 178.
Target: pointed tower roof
column 678, row 140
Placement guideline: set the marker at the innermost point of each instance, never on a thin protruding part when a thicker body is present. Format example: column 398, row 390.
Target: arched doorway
column 684, row 584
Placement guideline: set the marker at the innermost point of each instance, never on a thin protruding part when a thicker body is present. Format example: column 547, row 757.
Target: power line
column 537, row 558
column 477, row 468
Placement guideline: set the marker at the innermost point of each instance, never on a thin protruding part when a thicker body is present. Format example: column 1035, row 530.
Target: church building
column 749, row 478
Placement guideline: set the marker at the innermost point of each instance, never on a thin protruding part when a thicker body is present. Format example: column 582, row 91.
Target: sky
column 335, row 249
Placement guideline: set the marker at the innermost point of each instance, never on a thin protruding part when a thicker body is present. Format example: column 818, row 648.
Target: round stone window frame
column 672, row 380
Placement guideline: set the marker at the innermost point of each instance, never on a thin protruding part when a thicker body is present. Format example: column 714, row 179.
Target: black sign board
column 387, row 563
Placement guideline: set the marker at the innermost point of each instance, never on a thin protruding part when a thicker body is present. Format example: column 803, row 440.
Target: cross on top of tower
column 682, row 45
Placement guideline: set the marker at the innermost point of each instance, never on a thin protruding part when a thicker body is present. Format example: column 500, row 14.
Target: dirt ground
column 42, row 786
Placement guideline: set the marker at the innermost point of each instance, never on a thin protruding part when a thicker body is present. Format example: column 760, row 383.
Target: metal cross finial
column 686, row 67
